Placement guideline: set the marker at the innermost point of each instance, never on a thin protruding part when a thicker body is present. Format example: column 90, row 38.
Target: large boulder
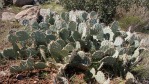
column 7, row 16
column 22, row 2
column 30, row 15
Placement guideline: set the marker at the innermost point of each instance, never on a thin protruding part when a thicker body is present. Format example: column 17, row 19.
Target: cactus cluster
column 58, row 37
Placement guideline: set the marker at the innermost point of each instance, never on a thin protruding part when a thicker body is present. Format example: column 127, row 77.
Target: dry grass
column 54, row 7
column 136, row 16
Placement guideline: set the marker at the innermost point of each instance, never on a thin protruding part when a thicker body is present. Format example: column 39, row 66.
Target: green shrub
column 106, row 8
column 127, row 21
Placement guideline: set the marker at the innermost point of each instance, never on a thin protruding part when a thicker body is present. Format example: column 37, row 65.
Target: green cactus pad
column 72, row 26
column 23, row 65
column 61, row 42
column 43, row 26
column 30, row 63
column 93, row 14
column 31, row 52
column 69, row 47
column 97, row 55
column 10, row 53
column 76, row 35
column 53, row 28
column 108, row 60
column 39, row 36
column 115, row 27
column 12, row 38
column 49, row 38
column 64, row 34
column 35, row 25
column 54, row 46
column 15, row 69
column 64, row 53
column 40, row 65
column 22, row 35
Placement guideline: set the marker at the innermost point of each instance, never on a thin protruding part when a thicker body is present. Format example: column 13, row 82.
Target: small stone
column 35, row 82
column 2, row 73
column 19, row 77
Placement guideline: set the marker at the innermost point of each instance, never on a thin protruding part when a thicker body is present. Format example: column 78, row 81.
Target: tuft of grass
column 15, row 9
column 127, row 21
column 54, row 7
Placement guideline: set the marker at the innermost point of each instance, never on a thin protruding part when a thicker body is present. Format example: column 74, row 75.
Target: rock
column 22, row 2
column 7, row 16
column 27, row 6
column 19, row 77
column 30, row 15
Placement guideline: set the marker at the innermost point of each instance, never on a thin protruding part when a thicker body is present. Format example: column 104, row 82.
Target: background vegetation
column 110, row 10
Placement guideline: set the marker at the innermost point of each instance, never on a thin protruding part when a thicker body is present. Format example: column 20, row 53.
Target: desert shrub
column 127, row 21
column 136, row 16
column 106, row 8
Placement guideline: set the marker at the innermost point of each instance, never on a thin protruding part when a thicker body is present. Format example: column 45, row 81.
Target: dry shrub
column 136, row 16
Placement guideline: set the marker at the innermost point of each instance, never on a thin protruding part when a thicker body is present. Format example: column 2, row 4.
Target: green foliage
column 127, row 21
column 39, row 36
column 10, row 53
column 107, row 8
column 1, row 5
column 22, row 35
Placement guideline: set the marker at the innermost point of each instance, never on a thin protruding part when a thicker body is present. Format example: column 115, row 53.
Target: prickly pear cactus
column 115, row 27
column 72, row 26
column 65, row 16
column 54, row 46
column 10, row 53
column 22, row 35
column 93, row 14
column 43, row 26
column 12, row 38
column 76, row 35
column 39, row 37
column 31, row 52
column 100, row 77
column 64, row 34
column 15, row 69
column 61, row 42
column 40, row 65
column 69, row 47
column 98, row 55
column 35, row 25
column 50, row 38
